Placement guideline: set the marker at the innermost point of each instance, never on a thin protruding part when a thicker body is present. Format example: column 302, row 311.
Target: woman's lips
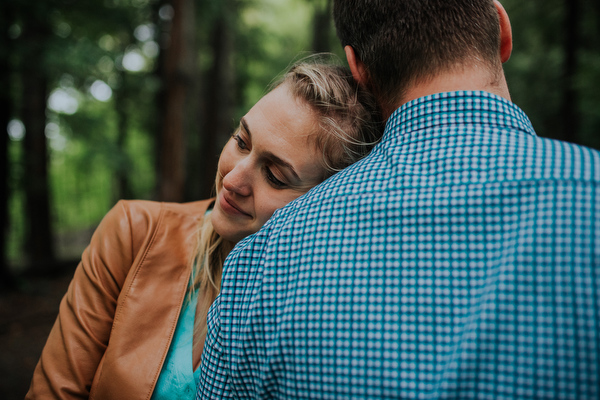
column 229, row 206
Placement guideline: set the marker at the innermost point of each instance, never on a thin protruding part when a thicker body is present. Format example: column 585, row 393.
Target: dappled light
column 64, row 101
column 101, row 91
column 56, row 140
column 144, row 33
column 16, row 130
column 166, row 12
column 134, row 61
column 150, row 49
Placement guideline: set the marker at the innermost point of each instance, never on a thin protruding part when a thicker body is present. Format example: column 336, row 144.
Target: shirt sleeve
column 213, row 382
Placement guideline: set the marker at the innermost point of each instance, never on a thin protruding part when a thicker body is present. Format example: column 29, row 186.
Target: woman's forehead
column 284, row 126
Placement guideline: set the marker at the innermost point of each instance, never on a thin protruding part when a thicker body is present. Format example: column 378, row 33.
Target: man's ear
column 358, row 69
column 505, row 33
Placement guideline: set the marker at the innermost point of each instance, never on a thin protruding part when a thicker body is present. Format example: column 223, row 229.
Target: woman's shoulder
column 135, row 221
column 194, row 209
column 150, row 210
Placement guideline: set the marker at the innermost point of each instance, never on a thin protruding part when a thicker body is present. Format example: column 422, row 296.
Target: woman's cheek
column 266, row 205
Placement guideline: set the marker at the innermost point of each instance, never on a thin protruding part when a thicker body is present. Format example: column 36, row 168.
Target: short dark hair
column 406, row 41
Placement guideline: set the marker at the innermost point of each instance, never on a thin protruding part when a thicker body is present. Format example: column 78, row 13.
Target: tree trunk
column 178, row 78
column 6, row 14
column 40, row 241
column 123, row 189
column 322, row 27
column 570, row 117
column 218, row 102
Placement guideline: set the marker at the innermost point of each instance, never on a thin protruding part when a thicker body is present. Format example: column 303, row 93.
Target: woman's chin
column 227, row 230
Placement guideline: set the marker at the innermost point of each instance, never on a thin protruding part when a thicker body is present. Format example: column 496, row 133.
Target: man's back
column 460, row 259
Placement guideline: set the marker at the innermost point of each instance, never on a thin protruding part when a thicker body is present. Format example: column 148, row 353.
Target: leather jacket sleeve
column 80, row 335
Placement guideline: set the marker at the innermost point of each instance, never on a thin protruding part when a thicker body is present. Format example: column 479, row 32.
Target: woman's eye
column 240, row 142
column 274, row 181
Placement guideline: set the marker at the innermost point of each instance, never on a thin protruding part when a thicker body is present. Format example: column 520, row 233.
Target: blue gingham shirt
column 461, row 259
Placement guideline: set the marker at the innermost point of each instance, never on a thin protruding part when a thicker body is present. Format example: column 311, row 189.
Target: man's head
column 401, row 43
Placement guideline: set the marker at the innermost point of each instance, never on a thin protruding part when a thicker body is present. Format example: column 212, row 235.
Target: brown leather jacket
column 119, row 314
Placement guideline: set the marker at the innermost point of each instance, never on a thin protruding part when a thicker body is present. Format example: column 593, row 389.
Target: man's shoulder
column 551, row 159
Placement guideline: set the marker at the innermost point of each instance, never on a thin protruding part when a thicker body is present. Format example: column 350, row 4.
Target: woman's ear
column 505, row 33
column 358, row 69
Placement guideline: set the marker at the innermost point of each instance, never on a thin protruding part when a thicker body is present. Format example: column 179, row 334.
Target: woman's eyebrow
column 276, row 160
column 245, row 126
column 268, row 155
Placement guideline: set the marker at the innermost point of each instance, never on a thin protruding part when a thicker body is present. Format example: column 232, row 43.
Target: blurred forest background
column 111, row 99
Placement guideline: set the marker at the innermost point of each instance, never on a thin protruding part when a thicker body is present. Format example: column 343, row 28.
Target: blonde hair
column 349, row 118
column 350, row 123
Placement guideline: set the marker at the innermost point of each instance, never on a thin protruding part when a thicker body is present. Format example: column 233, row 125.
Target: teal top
column 177, row 378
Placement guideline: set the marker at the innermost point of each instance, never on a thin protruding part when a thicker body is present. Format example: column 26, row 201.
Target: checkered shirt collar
column 461, row 108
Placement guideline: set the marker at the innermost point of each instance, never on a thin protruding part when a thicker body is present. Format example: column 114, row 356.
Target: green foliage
column 535, row 72
column 86, row 45
column 272, row 34
column 16, row 204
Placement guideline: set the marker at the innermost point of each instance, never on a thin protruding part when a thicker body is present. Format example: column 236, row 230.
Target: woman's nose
column 238, row 180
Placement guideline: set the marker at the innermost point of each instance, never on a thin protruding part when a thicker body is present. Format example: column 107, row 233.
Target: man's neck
column 473, row 78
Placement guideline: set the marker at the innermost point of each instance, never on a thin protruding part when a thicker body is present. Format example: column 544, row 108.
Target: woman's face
column 270, row 160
